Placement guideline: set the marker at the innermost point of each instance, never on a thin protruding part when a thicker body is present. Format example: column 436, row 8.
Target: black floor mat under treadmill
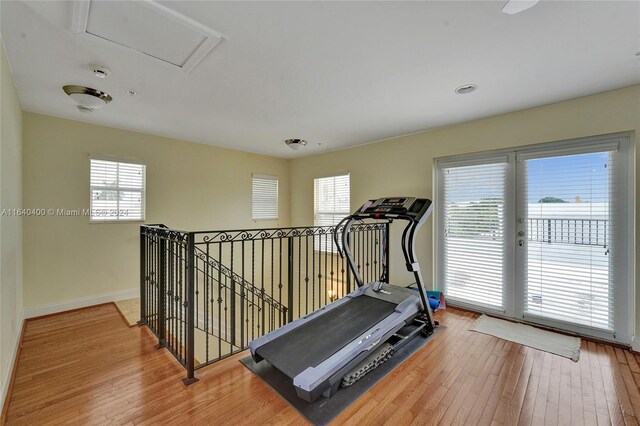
column 322, row 411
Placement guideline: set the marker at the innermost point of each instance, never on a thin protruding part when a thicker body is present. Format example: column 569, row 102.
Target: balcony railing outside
column 592, row 232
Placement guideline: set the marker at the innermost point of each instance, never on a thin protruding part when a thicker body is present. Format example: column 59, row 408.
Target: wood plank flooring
column 88, row 367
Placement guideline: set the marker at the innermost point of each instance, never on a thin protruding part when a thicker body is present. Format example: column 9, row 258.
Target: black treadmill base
column 323, row 410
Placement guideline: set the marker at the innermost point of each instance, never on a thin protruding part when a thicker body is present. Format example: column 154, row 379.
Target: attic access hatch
column 146, row 27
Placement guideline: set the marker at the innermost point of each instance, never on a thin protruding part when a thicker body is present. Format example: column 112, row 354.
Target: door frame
column 508, row 271
column 627, row 332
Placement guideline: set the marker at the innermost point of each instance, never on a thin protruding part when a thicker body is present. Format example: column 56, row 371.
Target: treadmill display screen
column 384, row 208
column 394, row 201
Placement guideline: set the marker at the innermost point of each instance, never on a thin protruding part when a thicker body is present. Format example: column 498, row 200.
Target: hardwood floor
column 88, row 367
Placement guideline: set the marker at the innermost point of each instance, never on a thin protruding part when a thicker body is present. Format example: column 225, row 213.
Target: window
column 571, row 203
column 117, row 191
column 331, row 203
column 473, row 220
column 264, row 196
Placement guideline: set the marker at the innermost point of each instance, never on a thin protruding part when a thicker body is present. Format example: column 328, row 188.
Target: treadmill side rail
column 314, row 381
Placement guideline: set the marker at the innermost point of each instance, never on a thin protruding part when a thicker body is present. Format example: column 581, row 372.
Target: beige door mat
column 548, row 341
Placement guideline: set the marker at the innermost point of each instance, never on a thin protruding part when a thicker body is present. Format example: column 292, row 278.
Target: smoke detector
column 100, row 71
column 87, row 97
column 295, row 144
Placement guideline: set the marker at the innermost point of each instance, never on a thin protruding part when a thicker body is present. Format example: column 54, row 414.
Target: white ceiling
column 335, row 73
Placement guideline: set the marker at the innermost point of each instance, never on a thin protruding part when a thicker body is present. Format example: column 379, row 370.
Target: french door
column 539, row 234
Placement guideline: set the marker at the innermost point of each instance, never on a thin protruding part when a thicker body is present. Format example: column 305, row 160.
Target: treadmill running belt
column 315, row 341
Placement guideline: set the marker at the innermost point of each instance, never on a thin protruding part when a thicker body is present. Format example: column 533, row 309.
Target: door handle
column 520, row 243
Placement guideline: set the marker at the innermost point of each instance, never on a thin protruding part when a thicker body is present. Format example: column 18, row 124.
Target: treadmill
column 342, row 341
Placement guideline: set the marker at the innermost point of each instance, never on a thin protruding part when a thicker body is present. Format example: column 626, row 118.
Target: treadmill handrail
column 408, row 250
column 403, row 241
column 347, row 250
column 335, row 236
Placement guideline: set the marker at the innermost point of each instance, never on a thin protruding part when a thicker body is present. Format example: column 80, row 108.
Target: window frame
column 143, row 191
column 331, row 249
column 266, row 177
column 497, row 157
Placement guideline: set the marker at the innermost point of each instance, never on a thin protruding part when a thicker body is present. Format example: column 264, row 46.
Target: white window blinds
column 331, row 200
column 331, row 203
column 473, row 198
column 264, row 196
column 571, row 230
column 117, row 191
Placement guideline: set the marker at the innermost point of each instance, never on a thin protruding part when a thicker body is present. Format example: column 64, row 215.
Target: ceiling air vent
column 146, row 27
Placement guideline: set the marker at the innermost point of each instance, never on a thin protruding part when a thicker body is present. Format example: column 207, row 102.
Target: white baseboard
column 213, row 326
column 11, row 362
column 82, row 302
column 635, row 344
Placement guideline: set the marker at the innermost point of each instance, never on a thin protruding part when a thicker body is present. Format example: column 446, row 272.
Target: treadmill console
column 391, row 207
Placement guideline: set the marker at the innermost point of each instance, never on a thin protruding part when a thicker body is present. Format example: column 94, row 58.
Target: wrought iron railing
column 590, row 232
column 206, row 295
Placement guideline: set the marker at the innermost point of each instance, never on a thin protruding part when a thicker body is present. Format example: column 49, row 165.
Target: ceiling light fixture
column 100, row 71
column 87, row 97
column 295, row 144
column 84, row 108
column 516, row 6
column 467, row 88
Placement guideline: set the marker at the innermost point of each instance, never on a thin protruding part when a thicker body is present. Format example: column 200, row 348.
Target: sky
column 585, row 176
column 575, row 178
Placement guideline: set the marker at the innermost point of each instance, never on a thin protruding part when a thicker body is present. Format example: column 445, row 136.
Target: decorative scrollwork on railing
column 208, row 237
column 177, row 236
column 165, row 233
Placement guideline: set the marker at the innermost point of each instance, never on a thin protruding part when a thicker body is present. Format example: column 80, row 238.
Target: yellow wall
column 189, row 186
column 404, row 165
column 10, row 226
column 192, row 186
